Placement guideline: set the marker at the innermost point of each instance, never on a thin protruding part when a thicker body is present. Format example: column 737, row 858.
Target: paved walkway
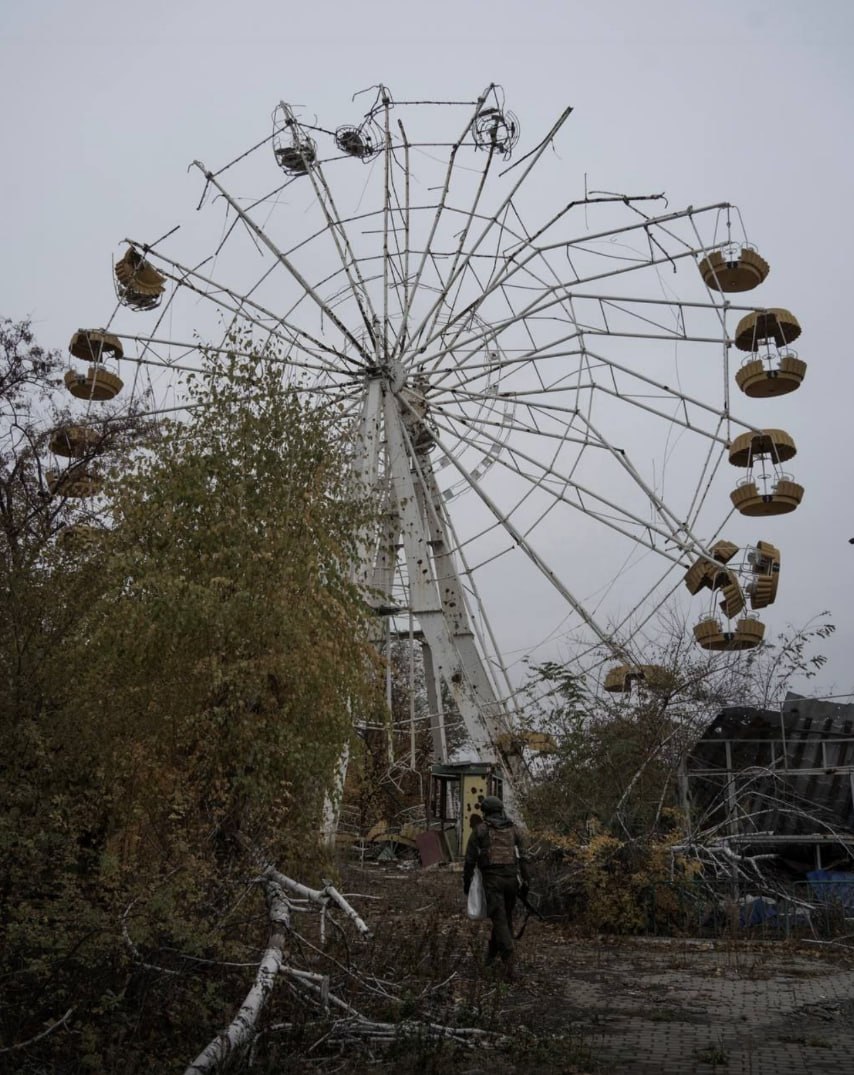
column 643, row 1006
column 685, row 1008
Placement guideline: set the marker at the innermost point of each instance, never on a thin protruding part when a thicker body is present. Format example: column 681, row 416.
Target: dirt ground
column 612, row 1005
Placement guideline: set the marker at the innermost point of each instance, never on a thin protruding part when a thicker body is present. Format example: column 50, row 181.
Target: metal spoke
column 547, row 479
column 499, row 375
column 297, row 275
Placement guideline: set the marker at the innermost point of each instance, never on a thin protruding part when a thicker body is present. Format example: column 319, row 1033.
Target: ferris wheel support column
column 438, row 733
column 366, row 469
column 445, row 628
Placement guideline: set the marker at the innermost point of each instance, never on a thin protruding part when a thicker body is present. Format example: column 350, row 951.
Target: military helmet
column 492, row 805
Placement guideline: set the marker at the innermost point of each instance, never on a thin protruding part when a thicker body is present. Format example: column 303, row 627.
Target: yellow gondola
column 735, row 268
column 97, row 383
column 138, row 284
column 732, row 597
column 74, row 483
column 775, row 443
column 775, row 493
column 74, row 442
column 621, row 677
column 747, row 634
column 709, row 634
column 702, row 572
column 773, row 376
column 775, row 324
column 93, row 345
column 526, row 739
column 782, row 497
column 765, row 564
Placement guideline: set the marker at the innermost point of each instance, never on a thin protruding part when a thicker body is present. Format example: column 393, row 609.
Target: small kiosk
column 456, row 792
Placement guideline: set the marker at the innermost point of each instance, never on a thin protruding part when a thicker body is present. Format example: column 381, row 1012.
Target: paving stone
column 717, row 1010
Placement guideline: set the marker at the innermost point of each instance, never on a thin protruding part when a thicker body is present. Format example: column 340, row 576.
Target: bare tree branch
column 31, row 1041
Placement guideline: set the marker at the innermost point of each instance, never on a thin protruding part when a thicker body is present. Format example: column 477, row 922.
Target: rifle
column 531, row 910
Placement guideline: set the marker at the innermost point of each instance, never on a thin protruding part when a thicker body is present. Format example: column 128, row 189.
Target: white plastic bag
column 477, row 897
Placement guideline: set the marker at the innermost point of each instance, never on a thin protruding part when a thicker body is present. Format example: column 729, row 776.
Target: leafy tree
column 30, row 518
column 230, row 626
column 198, row 663
column 617, row 758
column 608, row 800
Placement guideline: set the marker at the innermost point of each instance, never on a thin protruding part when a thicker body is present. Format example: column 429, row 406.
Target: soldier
column 496, row 848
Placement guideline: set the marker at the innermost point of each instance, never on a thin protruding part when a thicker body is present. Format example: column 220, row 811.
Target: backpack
column 497, row 846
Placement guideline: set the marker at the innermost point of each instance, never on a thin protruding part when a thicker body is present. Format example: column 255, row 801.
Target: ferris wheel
column 540, row 389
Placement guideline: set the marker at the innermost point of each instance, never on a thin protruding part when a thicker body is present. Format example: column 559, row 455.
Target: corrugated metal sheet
column 789, row 773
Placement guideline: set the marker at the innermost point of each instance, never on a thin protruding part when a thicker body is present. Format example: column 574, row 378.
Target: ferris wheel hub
column 395, row 373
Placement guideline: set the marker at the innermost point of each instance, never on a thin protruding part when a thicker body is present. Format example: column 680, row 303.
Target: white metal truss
column 522, row 389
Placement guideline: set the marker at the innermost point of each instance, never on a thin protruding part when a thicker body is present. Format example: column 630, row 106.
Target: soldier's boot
column 491, row 953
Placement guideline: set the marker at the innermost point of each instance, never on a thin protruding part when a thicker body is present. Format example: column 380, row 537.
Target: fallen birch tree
column 281, row 893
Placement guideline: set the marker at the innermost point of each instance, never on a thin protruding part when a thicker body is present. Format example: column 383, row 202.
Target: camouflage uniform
column 496, row 848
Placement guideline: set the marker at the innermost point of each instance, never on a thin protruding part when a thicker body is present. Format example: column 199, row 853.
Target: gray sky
column 743, row 100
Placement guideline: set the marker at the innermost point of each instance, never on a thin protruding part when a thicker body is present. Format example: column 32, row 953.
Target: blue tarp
column 755, row 912
column 833, row 886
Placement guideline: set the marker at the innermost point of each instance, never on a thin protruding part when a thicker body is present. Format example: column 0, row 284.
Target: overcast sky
column 741, row 100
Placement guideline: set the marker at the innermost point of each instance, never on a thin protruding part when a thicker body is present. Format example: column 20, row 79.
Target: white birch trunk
column 240, row 1032
column 327, row 894
column 333, row 797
